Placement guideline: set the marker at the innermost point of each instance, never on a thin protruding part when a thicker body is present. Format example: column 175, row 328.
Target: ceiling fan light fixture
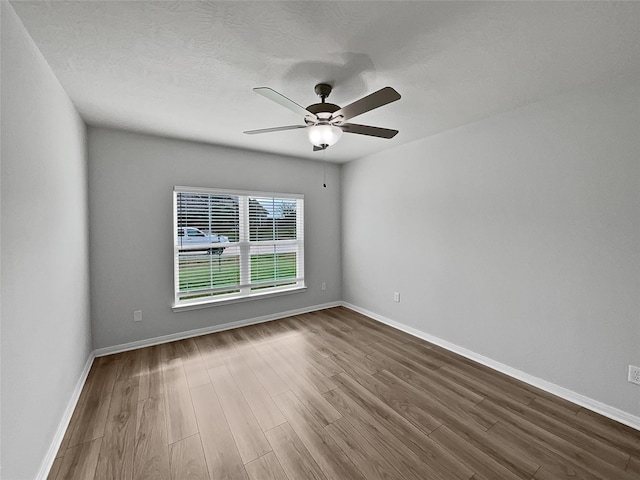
column 324, row 135
column 325, row 122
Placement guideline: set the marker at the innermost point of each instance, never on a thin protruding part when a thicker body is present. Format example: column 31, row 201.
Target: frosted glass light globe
column 321, row 135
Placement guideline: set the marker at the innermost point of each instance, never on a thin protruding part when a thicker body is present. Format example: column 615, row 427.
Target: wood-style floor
column 328, row 395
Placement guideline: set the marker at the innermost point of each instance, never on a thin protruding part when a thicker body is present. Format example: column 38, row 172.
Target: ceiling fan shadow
column 347, row 73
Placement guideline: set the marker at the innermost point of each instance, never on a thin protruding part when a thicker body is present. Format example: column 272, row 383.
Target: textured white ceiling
column 186, row 69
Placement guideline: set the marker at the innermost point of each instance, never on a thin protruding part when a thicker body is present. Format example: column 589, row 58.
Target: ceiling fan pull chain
column 324, row 163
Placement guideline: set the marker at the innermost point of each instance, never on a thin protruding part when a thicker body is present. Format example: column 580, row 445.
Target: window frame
column 245, row 245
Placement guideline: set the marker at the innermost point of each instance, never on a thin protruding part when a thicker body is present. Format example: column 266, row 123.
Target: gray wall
column 45, row 296
column 515, row 237
column 131, row 179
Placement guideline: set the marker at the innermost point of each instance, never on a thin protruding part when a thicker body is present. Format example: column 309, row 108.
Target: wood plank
column 224, row 343
column 435, row 393
column 266, row 467
column 330, row 458
column 293, row 456
column 335, row 318
column 307, row 393
column 556, row 403
column 544, row 474
column 342, row 341
column 262, row 406
column 151, row 384
column 371, row 335
column 55, row 468
column 269, row 378
column 77, row 413
column 355, row 335
column 303, row 350
column 517, row 462
column 441, row 384
column 325, row 364
column 210, row 355
column 170, row 351
column 271, row 331
column 466, row 453
column 151, row 456
column 554, row 409
column 349, row 335
column 181, row 421
column 390, row 448
column 607, row 422
column 405, row 431
column 313, row 324
column 377, row 395
column 614, row 449
column 513, row 411
column 474, row 375
column 361, row 452
column 346, row 361
column 419, row 362
column 271, row 381
column 619, row 435
column 576, row 456
column 186, row 458
column 313, row 337
column 418, row 353
column 194, row 367
column 553, row 464
column 95, row 409
column 245, row 429
column 79, row 462
column 633, row 466
column 220, row 450
column 118, row 443
column 129, row 366
column 371, row 325
column 296, row 367
column 322, row 410
column 432, row 374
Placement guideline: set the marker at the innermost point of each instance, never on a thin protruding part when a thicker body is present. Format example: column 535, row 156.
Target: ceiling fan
column 325, row 122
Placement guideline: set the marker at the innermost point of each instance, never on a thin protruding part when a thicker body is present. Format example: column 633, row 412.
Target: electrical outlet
column 396, row 296
column 324, row 286
column 634, row 374
column 137, row 316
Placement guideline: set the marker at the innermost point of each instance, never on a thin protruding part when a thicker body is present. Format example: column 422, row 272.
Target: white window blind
column 233, row 245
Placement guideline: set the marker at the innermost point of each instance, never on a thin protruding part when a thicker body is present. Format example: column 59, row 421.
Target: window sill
column 196, row 305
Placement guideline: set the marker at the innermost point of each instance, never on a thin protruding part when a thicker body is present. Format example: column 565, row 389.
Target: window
column 193, row 232
column 231, row 245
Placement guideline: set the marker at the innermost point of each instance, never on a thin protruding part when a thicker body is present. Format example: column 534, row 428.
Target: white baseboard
column 47, row 463
column 100, row 352
column 586, row 402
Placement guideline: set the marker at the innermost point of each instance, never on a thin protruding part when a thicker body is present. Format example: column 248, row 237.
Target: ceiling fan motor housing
column 318, row 109
column 323, row 108
column 322, row 111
